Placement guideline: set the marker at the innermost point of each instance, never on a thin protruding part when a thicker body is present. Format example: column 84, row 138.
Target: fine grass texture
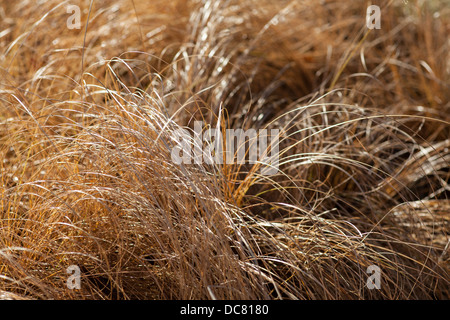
column 89, row 117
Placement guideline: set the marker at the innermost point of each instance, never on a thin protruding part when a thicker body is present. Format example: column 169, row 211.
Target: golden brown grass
column 87, row 123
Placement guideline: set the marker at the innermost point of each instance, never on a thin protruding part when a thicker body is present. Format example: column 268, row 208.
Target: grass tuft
column 89, row 118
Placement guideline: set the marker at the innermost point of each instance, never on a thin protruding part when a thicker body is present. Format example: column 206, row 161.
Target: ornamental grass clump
column 90, row 117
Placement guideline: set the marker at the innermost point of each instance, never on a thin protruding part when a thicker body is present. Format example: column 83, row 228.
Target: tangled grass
column 88, row 120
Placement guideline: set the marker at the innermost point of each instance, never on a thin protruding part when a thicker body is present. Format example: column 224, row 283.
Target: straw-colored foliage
column 89, row 116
